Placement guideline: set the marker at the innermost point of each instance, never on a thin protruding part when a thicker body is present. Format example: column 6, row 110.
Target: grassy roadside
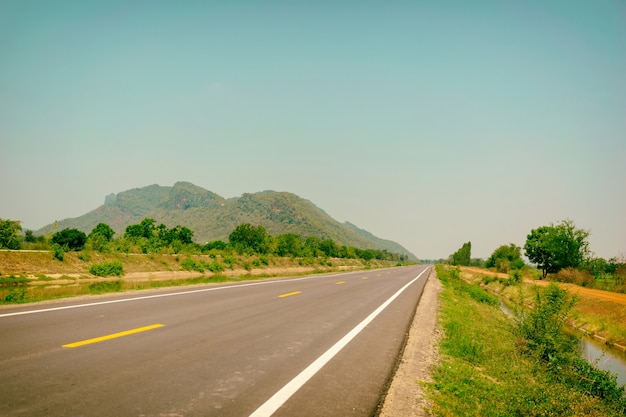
column 484, row 370
column 589, row 315
column 35, row 276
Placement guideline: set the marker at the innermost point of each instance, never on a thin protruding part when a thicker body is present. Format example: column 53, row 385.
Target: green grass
column 483, row 371
column 13, row 281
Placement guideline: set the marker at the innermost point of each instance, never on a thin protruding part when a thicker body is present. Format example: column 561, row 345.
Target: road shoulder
column 406, row 396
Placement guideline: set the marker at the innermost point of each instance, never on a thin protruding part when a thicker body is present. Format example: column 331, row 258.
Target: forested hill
column 212, row 217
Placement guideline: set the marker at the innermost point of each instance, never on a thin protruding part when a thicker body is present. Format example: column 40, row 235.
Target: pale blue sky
column 430, row 123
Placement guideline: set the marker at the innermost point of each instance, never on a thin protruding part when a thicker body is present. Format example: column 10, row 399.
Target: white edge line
column 282, row 395
column 172, row 294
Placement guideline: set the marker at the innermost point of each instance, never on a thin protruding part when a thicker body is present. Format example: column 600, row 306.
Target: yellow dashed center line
column 112, row 336
column 364, row 278
column 289, row 294
column 340, row 282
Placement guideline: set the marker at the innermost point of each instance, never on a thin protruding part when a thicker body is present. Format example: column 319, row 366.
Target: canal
column 595, row 352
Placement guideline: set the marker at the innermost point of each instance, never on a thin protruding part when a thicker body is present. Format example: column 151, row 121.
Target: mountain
column 212, row 217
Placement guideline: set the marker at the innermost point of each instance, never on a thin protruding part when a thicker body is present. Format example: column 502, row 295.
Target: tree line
column 150, row 237
column 559, row 251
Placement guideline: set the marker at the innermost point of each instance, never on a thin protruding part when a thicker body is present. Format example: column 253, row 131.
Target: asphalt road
column 323, row 345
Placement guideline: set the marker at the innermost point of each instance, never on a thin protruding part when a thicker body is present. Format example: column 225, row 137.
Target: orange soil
column 588, row 292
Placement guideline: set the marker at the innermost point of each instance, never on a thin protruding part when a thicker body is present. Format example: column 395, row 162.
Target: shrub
column 515, row 276
column 71, row 239
column 190, row 264
column 107, row 269
column 229, row 261
column 58, row 252
column 574, row 276
column 214, row 266
column 542, row 327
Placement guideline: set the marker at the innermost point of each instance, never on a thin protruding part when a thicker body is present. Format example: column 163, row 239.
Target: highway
column 322, row 345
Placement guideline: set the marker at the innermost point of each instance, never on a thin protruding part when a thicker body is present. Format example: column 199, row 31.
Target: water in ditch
column 599, row 354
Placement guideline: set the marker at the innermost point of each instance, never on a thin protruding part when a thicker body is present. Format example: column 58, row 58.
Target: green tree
column 348, row 252
column 365, row 254
column 288, row 244
column 9, row 234
column 329, row 248
column 463, row 256
column 311, row 247
column 216, row 244
column 100, row 237
column 183, row 234
column 246, row 237
column 555, row 247
column 103, row 230
column 506, row 257
column 29, row 237
column 144, row 229
column 72, row 239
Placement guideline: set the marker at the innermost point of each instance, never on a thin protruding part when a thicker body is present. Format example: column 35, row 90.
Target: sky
column 429, row 123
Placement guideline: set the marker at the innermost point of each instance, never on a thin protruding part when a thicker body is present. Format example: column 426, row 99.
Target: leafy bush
column 542, row 332
column 542, row 327
column 574, row 276
column 71, row 239
column 190, row 264
column 229, row 261
column 107, row 269
column 214, row 266
column 58, row 252
column 9, row 231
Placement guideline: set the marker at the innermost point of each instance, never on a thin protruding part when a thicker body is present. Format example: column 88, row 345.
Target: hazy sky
column 429, row 123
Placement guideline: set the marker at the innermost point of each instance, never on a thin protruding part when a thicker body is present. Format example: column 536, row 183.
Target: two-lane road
column 322, row 345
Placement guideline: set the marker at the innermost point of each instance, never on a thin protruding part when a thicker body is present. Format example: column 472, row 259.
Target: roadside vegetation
column 71, row 262
column 558, row 252
column 494, row 365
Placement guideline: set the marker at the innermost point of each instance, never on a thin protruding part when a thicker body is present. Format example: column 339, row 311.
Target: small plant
column 58, row 252
column 229, row 261
column 214, row 266
column 515, row 276
column 107, row 269
column 190, row 264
